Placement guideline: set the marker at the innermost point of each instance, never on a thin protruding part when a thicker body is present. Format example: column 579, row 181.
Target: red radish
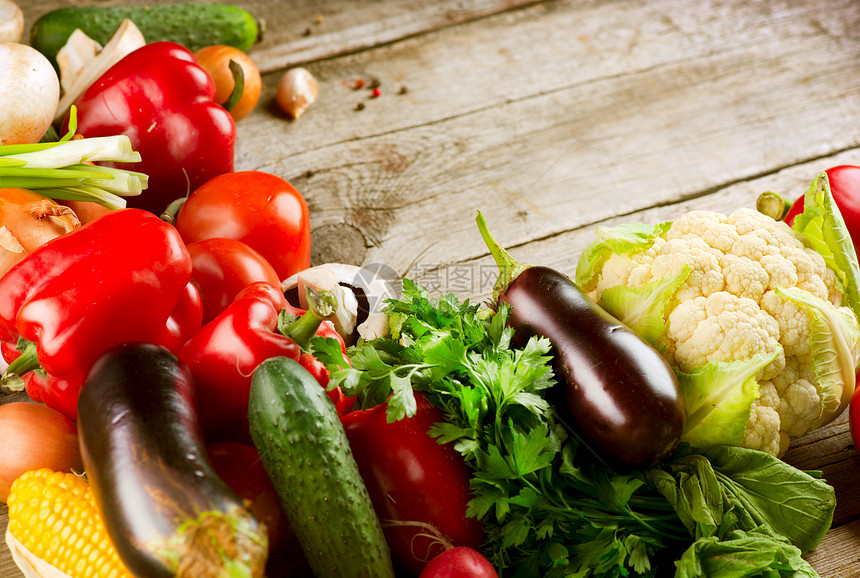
column 459, row 562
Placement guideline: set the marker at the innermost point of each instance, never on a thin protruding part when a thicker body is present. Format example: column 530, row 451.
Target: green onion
column 58, row 169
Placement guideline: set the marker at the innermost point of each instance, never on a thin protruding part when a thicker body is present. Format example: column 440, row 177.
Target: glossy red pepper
column 222, row 357
column 164, row 101
column 121, row 278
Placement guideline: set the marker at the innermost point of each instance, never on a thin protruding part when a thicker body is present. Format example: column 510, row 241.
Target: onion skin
column 35, row 436
column 27, row 221
column 86, row 210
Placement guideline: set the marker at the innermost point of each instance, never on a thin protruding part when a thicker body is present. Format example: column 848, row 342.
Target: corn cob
column 55, row 530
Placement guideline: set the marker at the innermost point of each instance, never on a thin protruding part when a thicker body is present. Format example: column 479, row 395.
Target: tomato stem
column 238, row 85
column 169, row 214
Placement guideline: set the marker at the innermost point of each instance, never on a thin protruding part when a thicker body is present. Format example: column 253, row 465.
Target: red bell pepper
column 222, row 357
column 121, row 278
column 164, row 101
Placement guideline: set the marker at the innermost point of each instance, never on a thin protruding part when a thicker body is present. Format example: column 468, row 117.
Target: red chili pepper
column 164, row 101
column 121, row 278
column 222, row 356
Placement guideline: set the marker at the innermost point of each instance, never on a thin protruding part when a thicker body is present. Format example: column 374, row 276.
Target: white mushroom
column 29, row 93
column 11, row 22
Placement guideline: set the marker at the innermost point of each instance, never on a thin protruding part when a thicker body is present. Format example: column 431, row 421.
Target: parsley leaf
column 547, row 508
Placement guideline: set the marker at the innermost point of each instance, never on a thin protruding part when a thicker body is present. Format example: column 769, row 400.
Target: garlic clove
column 297, row 90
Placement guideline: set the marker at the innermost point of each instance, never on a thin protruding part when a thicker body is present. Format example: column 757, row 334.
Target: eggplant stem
column 509, row 269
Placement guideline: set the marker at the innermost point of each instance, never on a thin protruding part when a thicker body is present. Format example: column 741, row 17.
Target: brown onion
column 86, row 210
column 35, row 436
column 28, row 220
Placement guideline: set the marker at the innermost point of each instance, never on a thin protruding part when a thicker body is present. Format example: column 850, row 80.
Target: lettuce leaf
column 744, row 554
column 644, row 309
column 629, row 238
column 822, row 226
column 719, row 399
column 725, row 488
column 834, row 338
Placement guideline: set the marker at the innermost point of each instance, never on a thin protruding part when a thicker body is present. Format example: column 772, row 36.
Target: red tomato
column 222, row 267
column 460, row 562
column 845, row 187
column 419, row 488
column 260, row 209
column 239, row 466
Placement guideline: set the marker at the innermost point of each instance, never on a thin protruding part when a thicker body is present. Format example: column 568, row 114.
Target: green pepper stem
column 321, row 306
column 509, row 269
column 24, row 363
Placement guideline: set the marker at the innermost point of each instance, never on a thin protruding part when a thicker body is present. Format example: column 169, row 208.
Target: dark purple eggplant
column 618, row 394
column 164, row 507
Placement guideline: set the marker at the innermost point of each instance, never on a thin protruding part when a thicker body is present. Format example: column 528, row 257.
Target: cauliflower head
column 747, row 312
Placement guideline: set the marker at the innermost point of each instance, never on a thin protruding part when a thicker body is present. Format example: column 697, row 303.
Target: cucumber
column 304, row 449
column 192, row 24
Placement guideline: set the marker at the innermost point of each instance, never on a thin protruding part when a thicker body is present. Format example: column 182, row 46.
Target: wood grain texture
column 547, row 142
column 553, row 117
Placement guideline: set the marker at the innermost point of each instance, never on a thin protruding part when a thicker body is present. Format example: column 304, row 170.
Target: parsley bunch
column 547, row 506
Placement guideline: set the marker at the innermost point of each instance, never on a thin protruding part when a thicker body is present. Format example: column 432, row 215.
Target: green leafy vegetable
column 626, row 238
column 822, row 225
column 834, row 339
column 548, row 509
column 644, row 309
column 725, row 488
column 744, row 554
column 719, row 398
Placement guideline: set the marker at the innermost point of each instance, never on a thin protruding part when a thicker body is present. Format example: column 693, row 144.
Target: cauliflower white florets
column 728, row 309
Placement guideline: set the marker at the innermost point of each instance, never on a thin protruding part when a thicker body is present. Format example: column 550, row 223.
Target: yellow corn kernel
column 54, row 516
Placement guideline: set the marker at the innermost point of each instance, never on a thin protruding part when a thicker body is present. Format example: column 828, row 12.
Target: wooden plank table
column 552, row 117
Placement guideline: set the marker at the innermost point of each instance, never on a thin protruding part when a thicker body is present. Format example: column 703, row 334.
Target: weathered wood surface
column 553, row 117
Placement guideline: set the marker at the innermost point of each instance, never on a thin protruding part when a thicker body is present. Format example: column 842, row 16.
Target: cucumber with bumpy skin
column 191, row 24
column 305, row 451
